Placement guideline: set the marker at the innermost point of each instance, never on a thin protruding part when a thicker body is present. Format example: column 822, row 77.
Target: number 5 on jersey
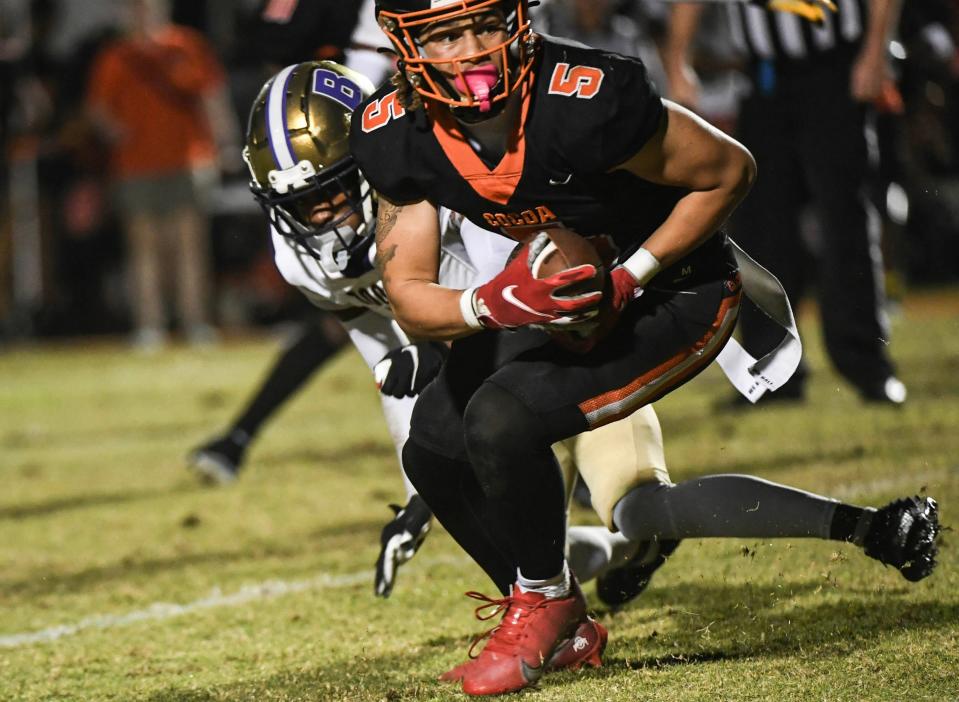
column 580, row 81
column 378, row 113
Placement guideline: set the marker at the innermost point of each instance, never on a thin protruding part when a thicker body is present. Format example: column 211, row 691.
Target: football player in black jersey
column 520, row 133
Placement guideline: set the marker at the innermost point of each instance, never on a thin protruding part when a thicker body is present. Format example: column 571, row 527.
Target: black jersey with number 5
column 584, row 113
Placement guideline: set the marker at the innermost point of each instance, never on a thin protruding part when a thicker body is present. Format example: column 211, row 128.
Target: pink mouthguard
column 478, row 82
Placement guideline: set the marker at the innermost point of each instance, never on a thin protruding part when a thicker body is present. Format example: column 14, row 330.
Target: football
column 566, row 249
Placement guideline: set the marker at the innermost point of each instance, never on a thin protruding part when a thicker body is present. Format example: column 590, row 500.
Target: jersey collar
column 498, row 184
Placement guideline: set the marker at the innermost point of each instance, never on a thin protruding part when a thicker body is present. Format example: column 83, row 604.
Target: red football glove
column 621, row 289
column 514, row 298
column 624, row 288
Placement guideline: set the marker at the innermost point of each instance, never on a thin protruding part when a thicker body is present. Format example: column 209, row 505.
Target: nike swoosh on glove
column 405, row 371
column 515, row 298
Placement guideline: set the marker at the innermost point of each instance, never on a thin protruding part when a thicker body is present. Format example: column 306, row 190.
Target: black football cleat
column 218, row 462
column 400, row 540
column 890, row 392
column 623, row 584
column 903, row 534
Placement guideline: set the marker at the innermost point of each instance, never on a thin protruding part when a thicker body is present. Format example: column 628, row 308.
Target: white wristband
column 642, row 265
column 466, row 309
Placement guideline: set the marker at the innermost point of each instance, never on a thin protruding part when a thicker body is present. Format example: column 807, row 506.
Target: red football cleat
column 584, row 648
column 531, row 632
column 457, row 673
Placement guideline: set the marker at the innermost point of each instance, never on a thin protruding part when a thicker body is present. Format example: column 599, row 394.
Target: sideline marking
column 266, row 590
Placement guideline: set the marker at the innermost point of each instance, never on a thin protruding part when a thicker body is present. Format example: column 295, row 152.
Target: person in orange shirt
column 158, row 97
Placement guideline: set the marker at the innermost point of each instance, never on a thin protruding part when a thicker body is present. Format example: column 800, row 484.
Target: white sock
column 594, row 550
column 553, row 588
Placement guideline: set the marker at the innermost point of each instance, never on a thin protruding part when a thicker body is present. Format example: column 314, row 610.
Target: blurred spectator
column 157, row 96
column 81, row 251
column 13, row 46
column 282, row 32
column 604, row 24
column 929, row 149
column 28, row 104
column 221, row 457
column 363, row 53
column 805, row 122
column 290, row 31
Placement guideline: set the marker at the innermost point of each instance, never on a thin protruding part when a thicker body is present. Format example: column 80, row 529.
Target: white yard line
column 271, row 589
column 267, row 590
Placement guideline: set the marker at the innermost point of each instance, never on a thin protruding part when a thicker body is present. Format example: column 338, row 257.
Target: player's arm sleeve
column 374, row 336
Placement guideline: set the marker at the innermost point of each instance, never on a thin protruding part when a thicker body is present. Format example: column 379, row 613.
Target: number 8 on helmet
column 298, row 154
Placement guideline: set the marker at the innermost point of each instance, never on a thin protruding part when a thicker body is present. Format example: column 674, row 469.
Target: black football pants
column 808, row 138
column 479, row 448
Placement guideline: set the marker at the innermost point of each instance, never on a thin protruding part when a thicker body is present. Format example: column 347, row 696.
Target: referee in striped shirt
column 806, row 122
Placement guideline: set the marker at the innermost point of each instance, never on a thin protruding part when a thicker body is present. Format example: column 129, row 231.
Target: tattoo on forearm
column 384, row 256
column 385, row 221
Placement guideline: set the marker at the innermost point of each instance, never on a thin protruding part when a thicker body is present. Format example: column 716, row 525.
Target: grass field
column 122, row 579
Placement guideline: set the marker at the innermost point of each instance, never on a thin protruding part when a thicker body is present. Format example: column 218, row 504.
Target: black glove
column 405, row 371
column 400, row 540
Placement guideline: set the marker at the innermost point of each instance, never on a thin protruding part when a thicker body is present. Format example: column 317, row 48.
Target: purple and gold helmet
column 297, row 150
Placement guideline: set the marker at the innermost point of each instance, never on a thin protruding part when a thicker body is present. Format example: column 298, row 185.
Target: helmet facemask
column 298, row 155
column 405, row 28
column 289, row 206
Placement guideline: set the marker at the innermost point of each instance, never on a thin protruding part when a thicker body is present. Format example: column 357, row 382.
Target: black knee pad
column 437, row 420
column 425, row 468
column 496, row 421
column 502, row 436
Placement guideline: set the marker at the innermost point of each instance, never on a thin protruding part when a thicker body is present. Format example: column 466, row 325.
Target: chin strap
column 332, row 255
column 332, row 259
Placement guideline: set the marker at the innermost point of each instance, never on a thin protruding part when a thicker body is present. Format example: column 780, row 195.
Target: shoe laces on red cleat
column 531, row 631
column 510, row 630
column 584, row 648
column 458, row 672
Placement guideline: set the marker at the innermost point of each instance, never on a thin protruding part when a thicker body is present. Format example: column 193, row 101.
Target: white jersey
column 358, row 285
column 469, row 256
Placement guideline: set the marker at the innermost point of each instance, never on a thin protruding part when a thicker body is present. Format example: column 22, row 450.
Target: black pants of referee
column 808, row 137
